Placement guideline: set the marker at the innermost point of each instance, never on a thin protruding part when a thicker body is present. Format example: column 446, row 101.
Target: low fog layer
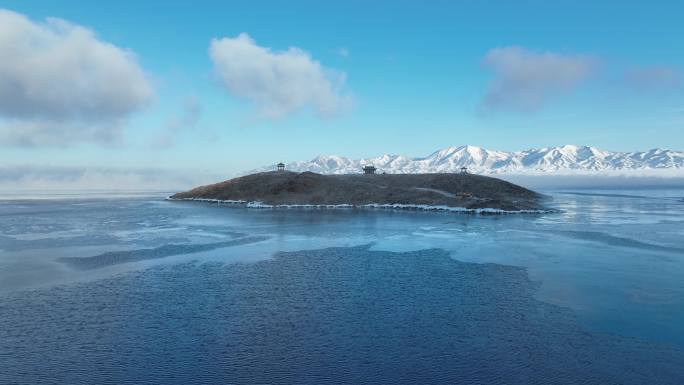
column 34, row 178
column 50, row 178
column 594, row 181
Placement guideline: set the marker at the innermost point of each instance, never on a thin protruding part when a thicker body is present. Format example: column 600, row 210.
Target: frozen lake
column 134, row 289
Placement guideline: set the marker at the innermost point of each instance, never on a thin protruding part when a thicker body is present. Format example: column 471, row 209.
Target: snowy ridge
column 568, row 159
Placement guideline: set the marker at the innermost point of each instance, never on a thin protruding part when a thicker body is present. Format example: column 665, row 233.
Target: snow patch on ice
column 391, row 206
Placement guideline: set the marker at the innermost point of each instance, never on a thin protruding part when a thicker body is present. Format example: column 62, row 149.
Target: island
column 459, row 192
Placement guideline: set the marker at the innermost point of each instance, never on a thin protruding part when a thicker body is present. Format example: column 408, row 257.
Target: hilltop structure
column 369, row 169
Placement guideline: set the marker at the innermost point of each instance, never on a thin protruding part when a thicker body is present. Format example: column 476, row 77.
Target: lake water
column 133, row 289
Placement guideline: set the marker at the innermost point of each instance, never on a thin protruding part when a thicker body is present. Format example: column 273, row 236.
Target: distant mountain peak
column 567, row 158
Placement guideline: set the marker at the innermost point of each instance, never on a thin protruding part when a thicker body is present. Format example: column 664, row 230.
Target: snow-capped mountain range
column 566, row 159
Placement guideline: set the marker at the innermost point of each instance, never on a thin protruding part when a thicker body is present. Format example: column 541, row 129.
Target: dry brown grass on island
column 308, row 188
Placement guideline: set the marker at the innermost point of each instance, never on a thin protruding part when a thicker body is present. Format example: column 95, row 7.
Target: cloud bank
column 60, row 84
column 278, row 83
column 525, row 80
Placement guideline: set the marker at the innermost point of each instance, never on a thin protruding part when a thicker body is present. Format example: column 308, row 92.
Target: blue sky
column 407, row 77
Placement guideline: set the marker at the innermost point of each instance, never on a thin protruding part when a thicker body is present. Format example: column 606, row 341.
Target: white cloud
column 525, row 80
column 57, row 133
column 59, row 83
column 278, row 83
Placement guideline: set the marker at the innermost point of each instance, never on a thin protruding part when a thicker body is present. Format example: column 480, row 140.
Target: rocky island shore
column 452, row 192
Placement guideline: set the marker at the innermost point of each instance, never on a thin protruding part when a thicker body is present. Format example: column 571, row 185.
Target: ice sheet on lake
column 611, row 240
column 118, row 257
